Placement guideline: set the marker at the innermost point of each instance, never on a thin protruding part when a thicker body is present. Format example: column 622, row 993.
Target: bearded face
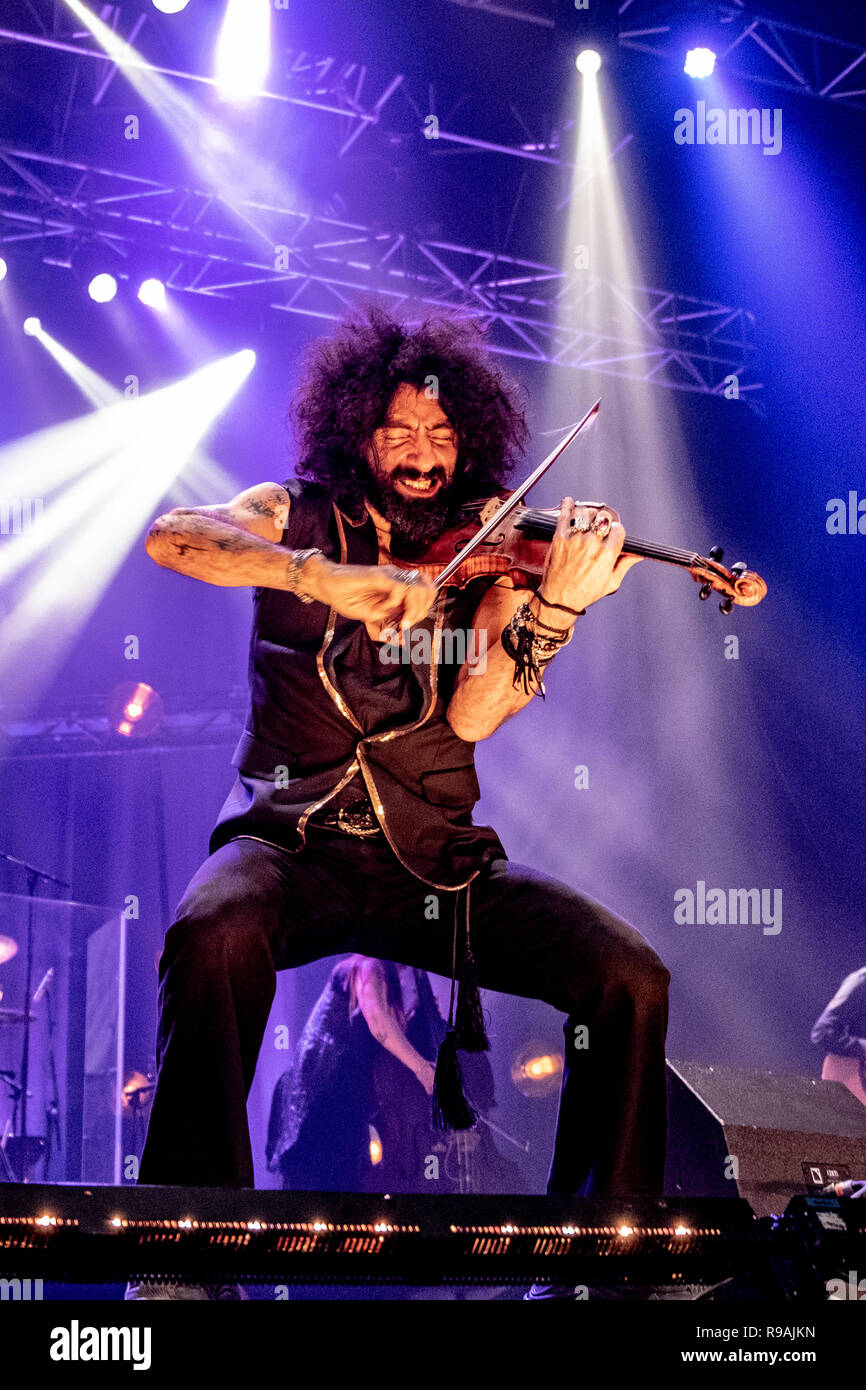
column 411, row 466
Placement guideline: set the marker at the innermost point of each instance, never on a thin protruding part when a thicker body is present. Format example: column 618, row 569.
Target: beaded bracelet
column 530, row 650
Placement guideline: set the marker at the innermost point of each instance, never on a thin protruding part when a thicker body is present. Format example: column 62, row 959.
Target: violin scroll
column 739, row 585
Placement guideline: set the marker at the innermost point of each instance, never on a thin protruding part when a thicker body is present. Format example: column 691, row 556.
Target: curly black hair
column 350, row 378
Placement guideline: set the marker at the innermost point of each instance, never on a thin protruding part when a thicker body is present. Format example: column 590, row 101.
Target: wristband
column 293, row 577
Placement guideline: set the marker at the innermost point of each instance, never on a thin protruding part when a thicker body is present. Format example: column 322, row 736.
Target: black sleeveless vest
column 304, row 743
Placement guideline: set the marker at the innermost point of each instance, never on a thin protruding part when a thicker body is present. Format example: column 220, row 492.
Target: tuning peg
column 705, row 590
column 716, row 553
column 726, row 605
column 739, row 568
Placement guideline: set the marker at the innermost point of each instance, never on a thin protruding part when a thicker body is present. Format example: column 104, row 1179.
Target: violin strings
column 540, row 520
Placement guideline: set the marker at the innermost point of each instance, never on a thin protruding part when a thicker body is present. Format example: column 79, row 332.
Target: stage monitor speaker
column 763, row 1136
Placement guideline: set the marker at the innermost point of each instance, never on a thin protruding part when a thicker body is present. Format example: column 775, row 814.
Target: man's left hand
column 583, row 566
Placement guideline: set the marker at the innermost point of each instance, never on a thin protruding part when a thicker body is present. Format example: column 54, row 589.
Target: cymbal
column 10, row 1016
column 8, row 947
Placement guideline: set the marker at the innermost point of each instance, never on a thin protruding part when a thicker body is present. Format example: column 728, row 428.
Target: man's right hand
column 376, row 594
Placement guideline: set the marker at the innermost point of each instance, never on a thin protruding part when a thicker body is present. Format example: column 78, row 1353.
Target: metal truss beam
column 209, row 721
column 760, row 50
column 534, row 311
column 319, row 83
column 316, row 82
column 753, row 47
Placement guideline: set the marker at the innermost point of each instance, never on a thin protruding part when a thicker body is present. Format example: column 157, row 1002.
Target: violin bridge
column 490, row 508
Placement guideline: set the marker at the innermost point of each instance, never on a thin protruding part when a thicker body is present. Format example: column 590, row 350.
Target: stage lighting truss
column 86, row 731
column 650, row 334
column 534, row 311
column 755, row 47
column 316, row 82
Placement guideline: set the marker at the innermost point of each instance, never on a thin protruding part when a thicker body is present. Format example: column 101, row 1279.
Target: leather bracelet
column 529, row 650
column 561, row 607
column 293, row 576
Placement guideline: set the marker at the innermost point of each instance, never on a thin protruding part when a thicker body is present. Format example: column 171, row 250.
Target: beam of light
column 3, row 269
column 217, row 155
column 588, row 62
column 93, row 387
column 700, row 62
column 152, row 293
column 41, row 462
column 102, row 288
column 637, row 462
column 52, row 459
column 85, row 532
column 644, row 706
column 243, row 52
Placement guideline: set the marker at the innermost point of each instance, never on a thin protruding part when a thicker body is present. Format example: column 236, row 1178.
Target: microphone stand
column 33, row 876
column 54, row 1142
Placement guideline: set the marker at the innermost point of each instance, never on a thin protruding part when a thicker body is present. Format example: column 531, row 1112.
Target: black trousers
column 253, row 909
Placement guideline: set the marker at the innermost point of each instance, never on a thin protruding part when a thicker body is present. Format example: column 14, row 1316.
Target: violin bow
column 516, row 498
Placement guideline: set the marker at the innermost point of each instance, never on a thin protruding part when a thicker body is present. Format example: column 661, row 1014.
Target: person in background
column 352, row 1112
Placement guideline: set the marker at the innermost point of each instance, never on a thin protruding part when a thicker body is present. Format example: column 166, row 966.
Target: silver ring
column 582, row 523
column 602, row 526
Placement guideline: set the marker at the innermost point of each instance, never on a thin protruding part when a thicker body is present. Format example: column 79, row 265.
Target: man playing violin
column 349, row 827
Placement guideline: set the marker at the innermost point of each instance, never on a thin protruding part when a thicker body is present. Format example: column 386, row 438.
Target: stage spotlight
column 535, row 1070
column 170, row 6
column 135, row 710
column 152, row 293
column 700, row 62
column 243, row 54
column 588, row 62
column 113, row 465
column 102, row 288
column 32, row 326
column 375, row 1146
column 3, row 268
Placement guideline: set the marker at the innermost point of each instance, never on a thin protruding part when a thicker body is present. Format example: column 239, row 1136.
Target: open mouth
column 419, row 487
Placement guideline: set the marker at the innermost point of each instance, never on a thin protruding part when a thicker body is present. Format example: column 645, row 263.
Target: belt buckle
column 355, row 823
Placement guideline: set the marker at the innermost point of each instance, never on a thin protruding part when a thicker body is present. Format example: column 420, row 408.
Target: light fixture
column 700, row 62
column 32, row 326
column 588, row 62
column 152, row 293
column 135, row 710
column 536, row 1069
column 243, row 52
column 102, row 288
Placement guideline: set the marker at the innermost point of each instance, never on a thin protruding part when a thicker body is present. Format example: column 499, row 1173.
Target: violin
column 518, row 548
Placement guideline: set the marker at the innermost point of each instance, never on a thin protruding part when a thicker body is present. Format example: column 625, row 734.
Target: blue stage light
column 700, row 62
column 102, row 288
column 588, row 62
column 152, row 293
column 243, row 55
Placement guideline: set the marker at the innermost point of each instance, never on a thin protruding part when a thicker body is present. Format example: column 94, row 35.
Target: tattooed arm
column 237, row 544
column 386, row 1024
